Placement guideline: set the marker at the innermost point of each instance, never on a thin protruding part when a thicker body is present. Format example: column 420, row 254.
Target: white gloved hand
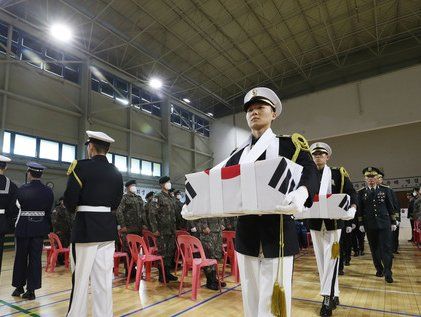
column 294, row 201
column 350, row 213
column 397, row 223
column 348, row 229
column 393, row 227
column 193, row 229
column 353, row 226
column 186, row 214
column 362, row 229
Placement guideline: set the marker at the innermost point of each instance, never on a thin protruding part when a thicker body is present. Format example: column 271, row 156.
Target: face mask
column 178, row 197
column 167, row 186
column 133, row 189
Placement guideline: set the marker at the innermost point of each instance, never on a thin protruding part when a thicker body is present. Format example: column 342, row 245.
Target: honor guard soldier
column 376, row 217
column 162, row 221
column 397, row 208
column 94, row 191
column 8, row 209
column 35, row 201
column 266, row 264
column 326, row 233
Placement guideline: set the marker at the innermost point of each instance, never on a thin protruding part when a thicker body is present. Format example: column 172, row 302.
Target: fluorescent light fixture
column 61, row 32
column 186, row 100
column 155, row 83
column 123, row 101
column 210, row 114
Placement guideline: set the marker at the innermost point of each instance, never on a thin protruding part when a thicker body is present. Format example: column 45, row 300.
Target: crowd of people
column 95, row 210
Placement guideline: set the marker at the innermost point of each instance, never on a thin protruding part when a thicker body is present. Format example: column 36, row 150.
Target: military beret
column 164, row 179
column 130, row 182
column 371, row 171
column 321, row 147
column 150, row 194
column 265, row 95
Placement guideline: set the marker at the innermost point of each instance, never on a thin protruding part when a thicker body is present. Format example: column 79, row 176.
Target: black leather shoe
column 171, row 278
column 341, row 272
column 356, row 253
column 335, row 302
column 347, row 263
column 18, row 291
column 388, row 279
column 29, row 295
column 362, row 253
column 326, row 309
column 379, row 274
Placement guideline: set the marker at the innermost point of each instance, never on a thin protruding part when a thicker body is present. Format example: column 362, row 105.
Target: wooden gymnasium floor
column 362, row 294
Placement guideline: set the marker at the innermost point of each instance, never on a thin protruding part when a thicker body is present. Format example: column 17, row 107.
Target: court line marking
column 19, row 309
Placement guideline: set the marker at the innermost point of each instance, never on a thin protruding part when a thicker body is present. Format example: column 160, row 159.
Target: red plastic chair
column 47, row 250
column 187, row 246
column 56, row 249
column 140, row 255
column 177, row 251
column 309, row 241
column 150, row 241
column 118, row 255
column 417, row 232
column 229, row 253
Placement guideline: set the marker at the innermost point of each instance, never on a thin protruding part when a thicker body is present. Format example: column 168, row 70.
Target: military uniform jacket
column 333, row 224
column 395, row 202
column 8, row 209
column 35, row 198
column 254, row 231
column 162, row 214
column 93, row 182
column 129, row 213
column 375, row 208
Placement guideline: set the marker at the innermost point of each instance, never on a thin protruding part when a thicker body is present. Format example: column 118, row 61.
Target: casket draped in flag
column 331, row 206
column 250, row 188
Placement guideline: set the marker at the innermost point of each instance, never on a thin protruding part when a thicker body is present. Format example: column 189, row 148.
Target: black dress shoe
column 347, row 263
column 379, row 274
column 356, row 253
column 18, row 291
column 29, row 295
column 326, row 309
column 362, row 253
column 389, row 278
column 171, row 277
column 341, row 272
column 396, row 252
column 335, row 302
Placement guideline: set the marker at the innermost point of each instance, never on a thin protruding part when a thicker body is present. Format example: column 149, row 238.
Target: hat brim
column 255, row 100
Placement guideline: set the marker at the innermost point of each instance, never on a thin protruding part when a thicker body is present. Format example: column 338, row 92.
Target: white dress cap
column 265, row 95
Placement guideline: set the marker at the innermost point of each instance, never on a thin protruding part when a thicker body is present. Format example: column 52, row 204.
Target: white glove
column 350, row 213
column 294, row 201
column 397, row 223
column 393, row 227
column 186, row 214
column 348, row 229
column 362, row 229
column 353, row 226
column 193, row 229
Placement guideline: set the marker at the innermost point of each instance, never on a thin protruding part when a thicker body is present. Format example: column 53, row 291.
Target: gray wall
column 373, row 122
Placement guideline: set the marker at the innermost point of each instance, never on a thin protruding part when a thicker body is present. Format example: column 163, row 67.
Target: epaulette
column 381, row 185
column 360, row 189
column 344, row 174
column 71, row 170
column 300, row 143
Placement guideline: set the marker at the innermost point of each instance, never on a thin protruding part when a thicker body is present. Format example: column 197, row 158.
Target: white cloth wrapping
column 251, row 187
column 332, row 206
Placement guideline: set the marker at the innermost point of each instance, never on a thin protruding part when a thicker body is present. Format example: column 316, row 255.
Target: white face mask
column 133, row 189
column 167, row 186
column 179, row 197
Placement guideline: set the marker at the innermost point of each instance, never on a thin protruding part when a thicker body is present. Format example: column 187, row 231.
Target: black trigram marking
column 292, row 186
column 187, row 200
column 278, row 173
column 191, row 192
column 284, row 186
column 344, row 203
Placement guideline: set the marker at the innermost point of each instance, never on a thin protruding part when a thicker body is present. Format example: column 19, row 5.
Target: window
column 68, row 153
column 6, row 142
column 135, row 166
column 25, row 145
column 48, row 150
column 120, row 162
column 146, row 168
column 157, row 169
column 110, row 158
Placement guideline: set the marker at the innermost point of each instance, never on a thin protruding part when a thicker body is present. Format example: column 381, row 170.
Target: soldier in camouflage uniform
column 230, row 223
column 61, row 222
column 162, row 221
column 181, row 222
column 129, row 213
column 210, row 230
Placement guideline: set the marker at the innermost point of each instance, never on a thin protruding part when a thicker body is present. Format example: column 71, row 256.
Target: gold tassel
column 335, row 250
column 279, row 305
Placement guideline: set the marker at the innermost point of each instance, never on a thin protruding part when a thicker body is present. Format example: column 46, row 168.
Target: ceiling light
column 155, row 83
column 61, row 32
column 186, row 100
column 123, row 101
column 210, row 114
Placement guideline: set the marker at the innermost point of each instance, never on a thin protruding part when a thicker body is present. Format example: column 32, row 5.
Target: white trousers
column 328, row 267
column 92, row 261
column 257, row 278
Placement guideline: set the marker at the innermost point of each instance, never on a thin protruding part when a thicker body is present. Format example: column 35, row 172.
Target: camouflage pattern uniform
column 61, row 221
column 162, row 219
column 146, row 212
column 230, row 223
column 129, row 216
